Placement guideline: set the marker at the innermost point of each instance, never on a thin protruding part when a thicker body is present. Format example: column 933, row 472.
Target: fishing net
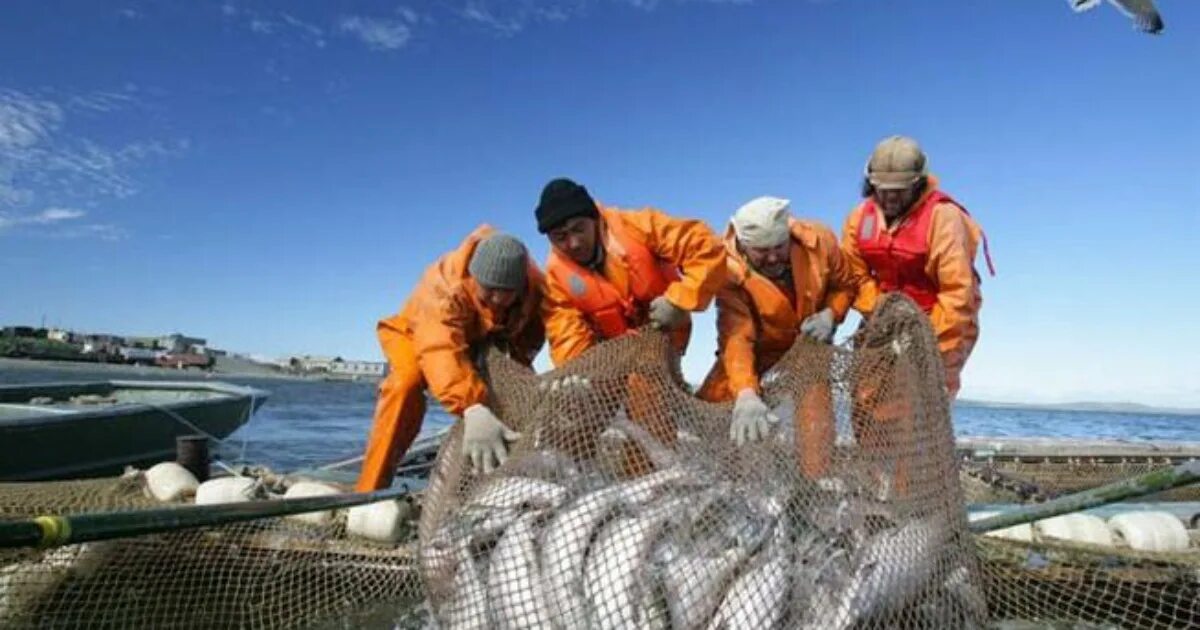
column 626, row 504
column 270, row 573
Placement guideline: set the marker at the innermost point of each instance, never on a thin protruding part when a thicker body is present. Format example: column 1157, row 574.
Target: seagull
column 1145, row 16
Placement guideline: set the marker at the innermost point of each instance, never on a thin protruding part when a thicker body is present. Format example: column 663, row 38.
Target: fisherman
column 909, row 236
column 611, row 271
column 488, row 291
column 786, row 279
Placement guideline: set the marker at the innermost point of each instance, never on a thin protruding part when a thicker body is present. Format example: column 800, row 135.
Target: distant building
column 182, row 344
column 310, row 363
column 356, row 368
column 60, row 335
column 101, row 344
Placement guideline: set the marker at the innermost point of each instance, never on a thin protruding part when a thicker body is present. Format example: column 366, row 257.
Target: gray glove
column 664, row 315
column 751, row 418
column 819, row 326
column 483, row 439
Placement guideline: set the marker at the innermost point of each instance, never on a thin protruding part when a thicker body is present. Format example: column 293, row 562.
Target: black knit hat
column 563, row 199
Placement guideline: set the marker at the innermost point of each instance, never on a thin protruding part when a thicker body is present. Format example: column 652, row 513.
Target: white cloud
column 377, row 33
column 55, row 215
column 43, row 162
column 508, row 17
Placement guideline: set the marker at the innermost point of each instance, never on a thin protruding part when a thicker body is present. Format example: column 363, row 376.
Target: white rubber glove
column 483, row 439
column 751, row 418
column 664, row 315
column 819, row 326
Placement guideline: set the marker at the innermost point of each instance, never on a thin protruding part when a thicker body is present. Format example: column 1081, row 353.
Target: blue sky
column 275, row 175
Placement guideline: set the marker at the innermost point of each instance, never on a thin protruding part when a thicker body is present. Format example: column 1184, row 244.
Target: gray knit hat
column 499, row 262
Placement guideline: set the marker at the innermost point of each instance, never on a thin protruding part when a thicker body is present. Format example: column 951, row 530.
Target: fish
column 660, row 455
column 890, row 569
column 693, row 583
column 499, row 493
column 612, row 577
column 758, row 597
column 567, row 538
column 468, row 607
column 564, row 554
column 514, row 578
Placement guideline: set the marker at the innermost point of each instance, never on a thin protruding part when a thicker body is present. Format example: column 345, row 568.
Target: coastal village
column 173, row 350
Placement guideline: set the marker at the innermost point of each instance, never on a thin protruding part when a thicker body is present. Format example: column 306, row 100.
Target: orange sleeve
column 952, row 264
column 567, row 330
column 841, row 287
column 867, row 292
column 444, row 354
column 692, row 246
column 735, row 338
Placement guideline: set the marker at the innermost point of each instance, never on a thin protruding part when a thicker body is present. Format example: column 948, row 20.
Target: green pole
column 54, row 531
column 1149, row 483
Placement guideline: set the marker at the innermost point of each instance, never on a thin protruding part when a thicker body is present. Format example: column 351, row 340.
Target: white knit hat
column 763, row 222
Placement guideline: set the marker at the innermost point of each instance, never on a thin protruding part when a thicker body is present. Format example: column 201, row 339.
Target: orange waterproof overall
column 429, row 346
column 646, row 255
column 758, row 321
column 929, row 256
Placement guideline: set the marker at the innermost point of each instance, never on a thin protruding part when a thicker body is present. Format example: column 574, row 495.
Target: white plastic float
column 168, row 481
column 302, row 489
column 1019, row 533
column 1150, row 531
column 1076, row 528
column 383, row 521
column 227, row 490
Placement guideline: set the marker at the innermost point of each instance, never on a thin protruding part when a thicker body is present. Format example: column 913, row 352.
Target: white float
column 1019, row 533
column 227, row 490
column 302, row 489
column 383, row 521
column 1077, row 528
column 1150, row 531
column 168, row 481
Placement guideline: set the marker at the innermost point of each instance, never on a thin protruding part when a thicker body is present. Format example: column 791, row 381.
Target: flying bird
column 1145, row 16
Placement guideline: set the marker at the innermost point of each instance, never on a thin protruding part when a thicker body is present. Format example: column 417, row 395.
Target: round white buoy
column 168, row 481
column 1150, row 531
column 1019, row 533
column 227, row 490
column 302, row 489
column 383, row 521
column 1078, row 528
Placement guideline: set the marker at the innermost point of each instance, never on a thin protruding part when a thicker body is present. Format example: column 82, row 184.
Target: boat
column 78, row 430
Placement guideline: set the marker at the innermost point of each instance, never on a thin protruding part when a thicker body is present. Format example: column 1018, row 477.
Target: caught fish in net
column 626, row 504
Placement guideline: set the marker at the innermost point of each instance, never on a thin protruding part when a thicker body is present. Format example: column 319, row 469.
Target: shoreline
column 7, row 363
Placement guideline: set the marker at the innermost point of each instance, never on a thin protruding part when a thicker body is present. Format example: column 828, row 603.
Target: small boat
column 74, row 430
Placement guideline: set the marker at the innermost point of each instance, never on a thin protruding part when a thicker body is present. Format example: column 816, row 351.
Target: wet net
column 625, row 504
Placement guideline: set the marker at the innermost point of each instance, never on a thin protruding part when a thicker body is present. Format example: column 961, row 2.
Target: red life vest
column 610, row 312
column 897, row 259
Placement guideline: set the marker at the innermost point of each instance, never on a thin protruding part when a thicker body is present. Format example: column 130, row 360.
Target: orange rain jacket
column 429, row 345
column 948, row 262
column 757, row 321
column 689, row 245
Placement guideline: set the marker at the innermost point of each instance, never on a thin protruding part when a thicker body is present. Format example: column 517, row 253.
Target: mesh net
column 625, row 504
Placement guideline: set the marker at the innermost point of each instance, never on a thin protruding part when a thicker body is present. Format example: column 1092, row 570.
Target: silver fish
column 892, row 568
column 694, row 582
column 757, row 599
column 514, row 578
column 611, row 579
column 468, row 609
column 660, row 455
column 517, row 492
column 564, row 553
column 566, row 540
